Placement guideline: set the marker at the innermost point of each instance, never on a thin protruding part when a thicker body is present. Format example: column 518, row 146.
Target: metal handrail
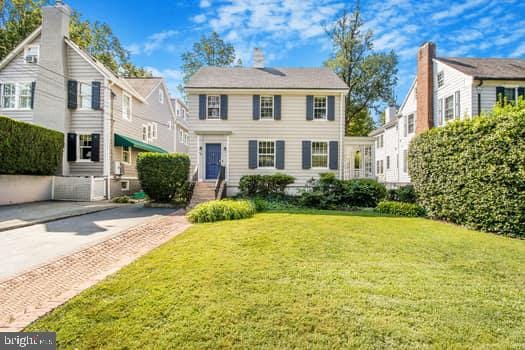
column 195, row 176
column 220, row 180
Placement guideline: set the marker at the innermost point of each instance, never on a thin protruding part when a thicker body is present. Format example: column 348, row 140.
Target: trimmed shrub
column 330, row 193
column 164, row 177
column 472, row 172
column 226, row 209
column 28, row 149
column 406, row 194
column 400, row 209
column 264, row 185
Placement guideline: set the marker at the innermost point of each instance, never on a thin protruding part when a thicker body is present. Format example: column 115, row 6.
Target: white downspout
column 107, row 136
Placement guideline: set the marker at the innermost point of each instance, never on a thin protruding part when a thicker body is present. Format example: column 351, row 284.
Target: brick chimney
column 424, row 90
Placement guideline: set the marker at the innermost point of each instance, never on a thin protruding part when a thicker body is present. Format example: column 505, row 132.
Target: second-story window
column 31, row 54
column 320, row 107
column 161, row 96
column 266, row 107
column 9, row 96
column 126, row 106
column 84, row 95
column 441, row 79
column 214, row 107
column 410, row 123
column 144, row 133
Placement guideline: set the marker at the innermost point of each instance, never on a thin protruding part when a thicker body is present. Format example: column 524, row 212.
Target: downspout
column 108, row 128
column 342, row 124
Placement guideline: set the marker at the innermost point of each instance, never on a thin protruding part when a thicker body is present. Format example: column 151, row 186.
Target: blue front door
column 213, row 160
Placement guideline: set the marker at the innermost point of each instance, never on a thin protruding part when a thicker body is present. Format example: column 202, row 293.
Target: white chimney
column 390, row 114
column 258, row 58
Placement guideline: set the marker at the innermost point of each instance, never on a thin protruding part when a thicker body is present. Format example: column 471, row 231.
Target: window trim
column 16, row 96
column 154, row 131
column 274, row 154
column 79, row 93
column 130, row 116
column 442, row 75
column 181, row 136
column 327, row 154
column 413, row 124
column 127, row 185
column 208, row 107
column 446, row 117
column 260, row 107
column 457, row 104
column 325, row 108
column 79, row 153
column 122, row 155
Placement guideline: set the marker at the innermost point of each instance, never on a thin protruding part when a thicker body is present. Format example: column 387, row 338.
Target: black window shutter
column 277, row 107
column 252, row 154
column 334, row 155
column 95, row 95
column 72, row 89
column 224, row 107
column 307, row 154
column 521, row 92
column 33, row 86
column 256, row 104
column 71, row 147
column 309, row 108
column 95, row 147
column 279, row 154
column 202, row 107
column 500, row 94
column 331, row 107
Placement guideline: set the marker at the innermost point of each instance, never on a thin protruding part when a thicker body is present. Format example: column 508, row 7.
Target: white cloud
column 199, row 18
column 205, row 3
column 519, row 51
column 173, row 78
column 457, row 9
column 152, row 43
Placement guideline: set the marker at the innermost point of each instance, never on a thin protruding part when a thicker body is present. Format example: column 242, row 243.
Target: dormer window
column 31, row 54
column 161, row 96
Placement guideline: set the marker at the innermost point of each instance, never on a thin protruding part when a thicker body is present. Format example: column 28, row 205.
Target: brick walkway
column 28, row 296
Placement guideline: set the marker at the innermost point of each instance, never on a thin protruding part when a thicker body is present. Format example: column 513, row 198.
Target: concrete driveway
column 25, row 248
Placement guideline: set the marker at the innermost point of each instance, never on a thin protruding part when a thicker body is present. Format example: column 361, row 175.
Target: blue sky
column 291, row 31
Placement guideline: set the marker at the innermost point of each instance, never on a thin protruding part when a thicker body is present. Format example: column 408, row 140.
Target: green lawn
column 314, row 280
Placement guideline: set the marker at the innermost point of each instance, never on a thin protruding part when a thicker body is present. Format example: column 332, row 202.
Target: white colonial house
column 445, row 89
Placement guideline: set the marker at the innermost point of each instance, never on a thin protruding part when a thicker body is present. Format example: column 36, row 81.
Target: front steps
column 202, row 192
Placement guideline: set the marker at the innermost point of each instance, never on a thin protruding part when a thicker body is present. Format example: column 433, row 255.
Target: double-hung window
column 181, row 136
column 24, row 95
column 9, row 95
column 85, row 147
column 126, row 154
column 410, row 123
column 319, row 154
column 126, row 106
column 85, row 95
column 266, row 154
column 266, row 107
column 214, row 107
column 441, row 79
column 150, row 132
column 144, row 133
column 154, row 130
column 449, row 107
column 320, row 109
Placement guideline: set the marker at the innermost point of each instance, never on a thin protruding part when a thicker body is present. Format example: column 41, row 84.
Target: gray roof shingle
column 488, row 68
column 144, row 85
column 266, row 78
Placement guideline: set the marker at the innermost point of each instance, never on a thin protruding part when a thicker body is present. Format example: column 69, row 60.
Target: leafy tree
column 209, row 51
column 19, row 18
column 370, row 75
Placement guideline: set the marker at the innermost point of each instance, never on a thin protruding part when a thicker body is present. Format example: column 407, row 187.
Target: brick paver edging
column 29, row 295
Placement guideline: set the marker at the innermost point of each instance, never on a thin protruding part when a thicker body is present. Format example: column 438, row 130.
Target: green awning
column 125, row 141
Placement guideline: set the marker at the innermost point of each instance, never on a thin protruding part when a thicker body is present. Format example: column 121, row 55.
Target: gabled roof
column 488, row 68
column 144, row 86
column 107, row 73
column 20, row 47
column 266, row 78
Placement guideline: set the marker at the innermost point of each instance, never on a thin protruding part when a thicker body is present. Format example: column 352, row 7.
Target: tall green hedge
column 473, row 172
column 163, row 177
column 27, row 149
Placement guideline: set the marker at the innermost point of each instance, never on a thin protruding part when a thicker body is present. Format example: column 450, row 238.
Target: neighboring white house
column 182, row 132
column 445, row 89
column 106, row 119
column 262, row 120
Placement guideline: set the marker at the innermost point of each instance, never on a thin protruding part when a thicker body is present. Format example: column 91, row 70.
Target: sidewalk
column 21, row 215
column 30, row 295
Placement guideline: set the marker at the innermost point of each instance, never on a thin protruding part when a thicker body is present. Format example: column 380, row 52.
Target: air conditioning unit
column 118, row 168
column 32, row 59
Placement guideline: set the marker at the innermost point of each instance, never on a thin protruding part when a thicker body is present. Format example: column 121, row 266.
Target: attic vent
column 258, row 58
